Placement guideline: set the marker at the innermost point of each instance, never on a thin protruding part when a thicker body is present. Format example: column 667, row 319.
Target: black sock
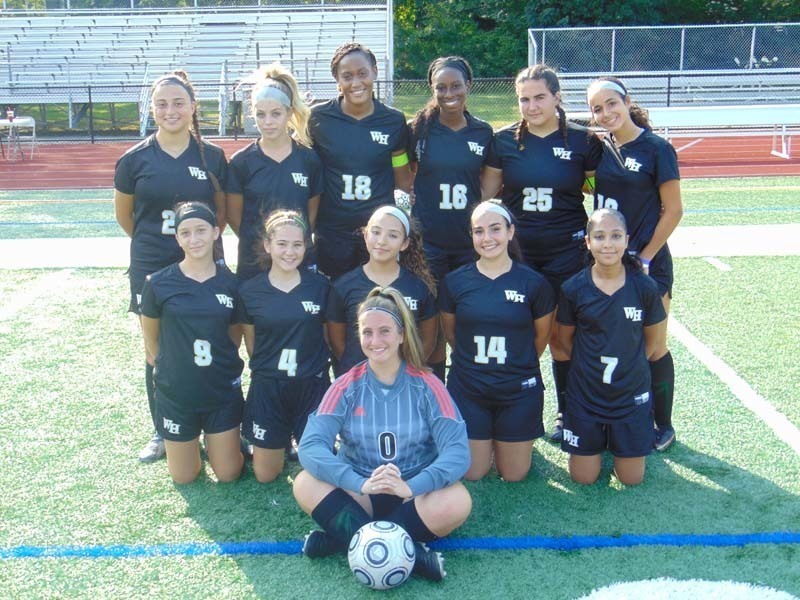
column 560, row 372
column 662, row 372
column 340, row 516
column 151, row 391
column 408, row 518
column 439, row 369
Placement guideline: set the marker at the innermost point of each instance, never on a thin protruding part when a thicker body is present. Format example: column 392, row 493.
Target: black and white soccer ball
column 381, row 555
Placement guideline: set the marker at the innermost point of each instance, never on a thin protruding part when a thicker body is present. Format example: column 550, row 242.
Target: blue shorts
column 277, row 408
column 178, row 423
column 517, row 418
column 339, row 253
column 632, row 438
column 442, row 261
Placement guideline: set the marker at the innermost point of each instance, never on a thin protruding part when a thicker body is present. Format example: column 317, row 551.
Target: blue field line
column 704, row 211
column 489, row 543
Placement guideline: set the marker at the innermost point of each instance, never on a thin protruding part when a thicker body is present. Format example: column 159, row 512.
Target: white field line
column 12, row 304
column 715, row 262
column 776, row 421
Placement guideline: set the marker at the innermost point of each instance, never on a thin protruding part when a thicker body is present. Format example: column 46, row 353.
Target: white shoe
column 154, row 450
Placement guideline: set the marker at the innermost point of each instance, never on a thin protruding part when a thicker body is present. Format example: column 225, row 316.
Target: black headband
column 195, row 210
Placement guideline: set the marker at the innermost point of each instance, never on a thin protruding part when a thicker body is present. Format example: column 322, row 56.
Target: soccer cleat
column 664, row 438
column 429, row 564
column 291, row 451
column 558, row 430
column 318, row 544
column 154, row 450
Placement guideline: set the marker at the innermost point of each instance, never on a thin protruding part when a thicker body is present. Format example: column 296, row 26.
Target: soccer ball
column 381, row 555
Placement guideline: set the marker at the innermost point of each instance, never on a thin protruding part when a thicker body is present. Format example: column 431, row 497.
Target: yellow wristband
column 589, row 183
column 401, row 160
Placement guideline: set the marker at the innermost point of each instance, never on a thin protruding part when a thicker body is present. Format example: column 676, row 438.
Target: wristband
column 589, row 183
column 401, row 160
column 645, row 262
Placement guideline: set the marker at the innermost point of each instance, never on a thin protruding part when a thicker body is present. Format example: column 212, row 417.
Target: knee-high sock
column 340, row 516
column 408, row 518
column 560, row 372
column 662, row 372
column 150, row 386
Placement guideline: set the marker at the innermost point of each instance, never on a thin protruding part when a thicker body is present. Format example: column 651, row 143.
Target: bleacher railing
column 95, row 6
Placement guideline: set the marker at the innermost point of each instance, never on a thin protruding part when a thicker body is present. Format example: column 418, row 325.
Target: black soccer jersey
column 158, row 182
column 448, row 180
column 357, row 160
column 610, row 376
column 629, row 183
column 542, row 185
column 198, row 365
column 351, row 289
column 494, row 351
column 267, row 185
column 288, row 326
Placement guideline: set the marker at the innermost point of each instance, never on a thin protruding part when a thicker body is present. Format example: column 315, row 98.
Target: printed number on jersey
column 453, row 197
column 496, row 349
column 202, row 353
column 288, row 361
column 387, row 444
column 356, row 187
column 168, row 222
column 603, row 202
column 537, row 199
column 611, row 363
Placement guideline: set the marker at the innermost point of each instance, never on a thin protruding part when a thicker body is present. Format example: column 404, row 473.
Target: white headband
column 397, row 214
column 271, row 92
column 601, row 84
column 487, row 206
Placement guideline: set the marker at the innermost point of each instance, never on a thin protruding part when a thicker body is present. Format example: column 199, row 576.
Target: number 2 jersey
column 609, row 376
column 158, row 182
column 412, row 423
column 198, row 365
column 494, row 354
column 289, row 325
column 357, row 159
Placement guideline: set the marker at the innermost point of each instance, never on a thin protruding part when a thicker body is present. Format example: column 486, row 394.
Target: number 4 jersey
column 197, row 365
column 609, row 377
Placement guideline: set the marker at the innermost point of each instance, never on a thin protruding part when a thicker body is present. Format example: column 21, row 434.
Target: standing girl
column 285, row 313
column 279, row 170
column 497, row 315
column 188, row 312
column 610, row 314
column 541, row 162
column 173, row 165
column 363, row 146
column 638, row 176
column 396, row 260
column 403, row 447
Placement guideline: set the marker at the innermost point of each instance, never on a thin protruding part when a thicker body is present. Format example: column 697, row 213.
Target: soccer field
column 80, row 517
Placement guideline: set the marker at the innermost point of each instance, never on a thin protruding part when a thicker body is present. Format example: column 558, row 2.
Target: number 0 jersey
column 288, row 326
column 629, row 182
column 412, row 423
column 494, row 351
column 448, row 180
column 158, row 182
column 609, row 376
column 357, row 159
column 198, row 364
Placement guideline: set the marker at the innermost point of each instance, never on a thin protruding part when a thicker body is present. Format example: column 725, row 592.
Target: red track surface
column 76, row 166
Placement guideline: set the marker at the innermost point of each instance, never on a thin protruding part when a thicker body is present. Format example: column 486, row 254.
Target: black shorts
column 517, row 418
column 384, row 505
column 662, row 271
column 178, row 423
column 632, row 438
column 442, row 261
column 136, row 280
column 561, row 265
column 277, row 408
column 339, row 253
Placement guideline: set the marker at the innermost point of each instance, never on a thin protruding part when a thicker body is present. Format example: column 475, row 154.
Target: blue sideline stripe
column 701, row 211
column 490, row 543
column 22, row 223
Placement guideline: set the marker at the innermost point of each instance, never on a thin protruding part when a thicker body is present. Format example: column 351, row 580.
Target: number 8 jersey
column 609, row 377
column 197, row 366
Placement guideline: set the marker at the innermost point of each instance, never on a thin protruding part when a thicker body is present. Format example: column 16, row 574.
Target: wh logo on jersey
column 381, row 138
column 172, row 426
column 258, row 431
column 515, row 296
column 412, row 302
column 562, row 153
column 572, row 439
column 310, row 307
column 475, row 148
column 632, row 165
column 633, row 313
column 300, row 179
column 226, row 301
column 198, row 173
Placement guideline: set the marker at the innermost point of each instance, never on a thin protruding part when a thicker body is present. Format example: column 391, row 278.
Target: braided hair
column 347, row 48
column 541, row 72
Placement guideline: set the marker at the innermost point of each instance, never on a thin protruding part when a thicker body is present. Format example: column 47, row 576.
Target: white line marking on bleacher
column 43, row 285
column 689, row 145
column 776, row 421
column 717, row 263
